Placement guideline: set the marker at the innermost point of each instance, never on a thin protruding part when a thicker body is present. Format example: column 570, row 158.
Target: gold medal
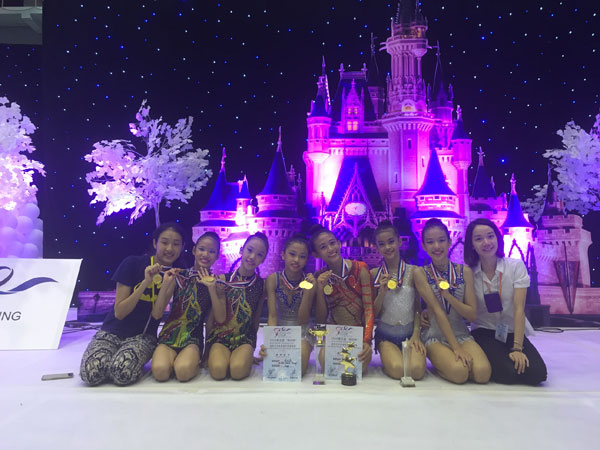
column 391, row 284
column 209, row 279
column 305, row 284
column 328, row 289
column 157, row 279
column 443, row 285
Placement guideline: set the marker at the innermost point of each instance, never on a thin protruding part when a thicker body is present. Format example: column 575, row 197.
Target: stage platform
column 250, row 414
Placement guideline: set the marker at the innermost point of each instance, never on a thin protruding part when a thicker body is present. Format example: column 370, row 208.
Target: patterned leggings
column 108, row 357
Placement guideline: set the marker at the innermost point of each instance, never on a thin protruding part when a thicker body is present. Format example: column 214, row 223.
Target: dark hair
column 166, row 226
column 211, row 235
column 471, row 256
column 316, row 231
column 296, row 238
column 434, row 223
column 257, row 235
column 385, row 225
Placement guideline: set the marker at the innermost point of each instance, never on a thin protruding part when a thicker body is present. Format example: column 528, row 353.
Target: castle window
column 422, row 161
column 396, row 177
column 409, row 144
column 352, row 125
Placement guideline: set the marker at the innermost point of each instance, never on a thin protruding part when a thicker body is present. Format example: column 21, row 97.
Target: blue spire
column 482, row 186
column 277, row 182
column 552, row 205
column 373, row 75
column 515, row 217
column 243, row 191
column 459, row 127
column 435, row 180
column 224, row 194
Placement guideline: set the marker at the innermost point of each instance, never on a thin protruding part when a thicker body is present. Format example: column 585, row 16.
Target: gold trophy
column 319, row 331
column 407, row 379
column 348, row 378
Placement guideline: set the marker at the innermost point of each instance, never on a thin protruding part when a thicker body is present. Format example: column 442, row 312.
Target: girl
column 500, row 326
column 397, row 305
column 181, row 339
column 447, row 288
column 127, row 338
column 288, row 300
column 232, row 340
column 344, row 292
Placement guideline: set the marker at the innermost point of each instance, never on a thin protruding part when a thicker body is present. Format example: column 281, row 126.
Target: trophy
column 407, row 379
column 348, row 378
column 319, row 331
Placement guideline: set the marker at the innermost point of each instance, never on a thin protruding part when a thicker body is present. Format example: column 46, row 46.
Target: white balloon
column 10, row 220
column 30, row 251
column 30, row 210
column 24, row 224
column 7, row 234
column 14, row 249
column 38, row 224
column 36, row 237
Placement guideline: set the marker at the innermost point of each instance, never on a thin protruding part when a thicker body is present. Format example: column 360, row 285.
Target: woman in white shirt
column 501, row 328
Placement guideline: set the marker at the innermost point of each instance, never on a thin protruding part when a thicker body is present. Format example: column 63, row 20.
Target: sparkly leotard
column 241, row 304
column 191, row 305
column 287, row 305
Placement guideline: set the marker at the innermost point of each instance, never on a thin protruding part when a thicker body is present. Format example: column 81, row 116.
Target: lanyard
column 489, row 286
column 383, row 269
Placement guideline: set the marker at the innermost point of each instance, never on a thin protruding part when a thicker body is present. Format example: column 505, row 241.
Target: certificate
column 340, row 336
column 284, row 353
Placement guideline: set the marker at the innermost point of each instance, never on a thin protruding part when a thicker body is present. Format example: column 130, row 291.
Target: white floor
column 378, row 413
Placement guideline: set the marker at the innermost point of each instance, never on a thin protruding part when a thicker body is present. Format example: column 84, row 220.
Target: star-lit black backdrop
column 520, row 71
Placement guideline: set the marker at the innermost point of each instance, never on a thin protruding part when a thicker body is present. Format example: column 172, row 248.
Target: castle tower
column 407, row 119
column 436, row 199
column 460, row 145
column 517, row 229
column 562, row 253
column 277, row 214
column 483, row 202
column 375, row 82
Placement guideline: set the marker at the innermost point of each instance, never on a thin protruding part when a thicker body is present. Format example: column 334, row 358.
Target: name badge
column 493, row 303
column 501, row 332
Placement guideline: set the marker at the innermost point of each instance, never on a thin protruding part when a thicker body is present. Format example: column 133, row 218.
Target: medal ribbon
column 345, row 273
column 289, row 284
column 239, row 284
column 452, row 281
column 383, row 269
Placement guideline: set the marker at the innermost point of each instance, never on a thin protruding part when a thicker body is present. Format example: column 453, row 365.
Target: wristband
column 515, row 349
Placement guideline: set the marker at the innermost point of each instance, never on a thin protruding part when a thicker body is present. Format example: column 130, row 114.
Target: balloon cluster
column 21, row 232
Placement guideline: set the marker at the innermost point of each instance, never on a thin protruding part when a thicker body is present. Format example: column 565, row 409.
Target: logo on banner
column 23, row 286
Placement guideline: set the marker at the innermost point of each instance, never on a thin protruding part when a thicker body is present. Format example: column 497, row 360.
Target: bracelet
column 515, row 349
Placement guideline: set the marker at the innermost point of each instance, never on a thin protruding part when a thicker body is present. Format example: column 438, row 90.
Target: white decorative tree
column 20, row 227
column 577, row 167
column 169, row 169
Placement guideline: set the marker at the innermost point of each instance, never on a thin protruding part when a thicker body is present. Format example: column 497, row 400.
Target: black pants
column 503, row 368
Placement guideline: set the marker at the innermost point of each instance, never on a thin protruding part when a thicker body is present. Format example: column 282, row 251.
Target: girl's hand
column 521, row 361
column 323, row 279
column 208, row 280
column 417, row 345
column 365, row 353
column 310, row 278
column 425, row 319
column 262, row 353
column 383, row 280
column 150, row 272
column 169, row 277
column 438, row 280
column 464, row 357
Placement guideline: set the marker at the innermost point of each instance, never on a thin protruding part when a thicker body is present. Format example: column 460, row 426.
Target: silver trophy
column 407, row 379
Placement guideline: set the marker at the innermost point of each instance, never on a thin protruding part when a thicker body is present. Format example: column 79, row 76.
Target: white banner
column 34, row 300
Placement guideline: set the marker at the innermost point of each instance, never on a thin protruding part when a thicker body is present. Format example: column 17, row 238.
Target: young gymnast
column 397, row 306
column 290, row 301
column 232, row 341
column 500, row 327
column 447, row 288
column 181, row 340
column 127, row 338
column 344, row 292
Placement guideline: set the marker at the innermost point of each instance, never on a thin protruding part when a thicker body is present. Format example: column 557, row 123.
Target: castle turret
column 436, row 199
column 375, row 82
column 460, row 145
column 483, row 202
column 517, row 229
column 277, row 214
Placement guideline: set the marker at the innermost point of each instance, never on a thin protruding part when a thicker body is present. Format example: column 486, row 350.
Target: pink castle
column 397, row 149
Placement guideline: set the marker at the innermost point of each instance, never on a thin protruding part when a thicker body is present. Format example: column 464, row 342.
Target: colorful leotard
column 191, row 305
column 459, row 328
column 287, row 304
column 241, row 304
column 346, row 304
